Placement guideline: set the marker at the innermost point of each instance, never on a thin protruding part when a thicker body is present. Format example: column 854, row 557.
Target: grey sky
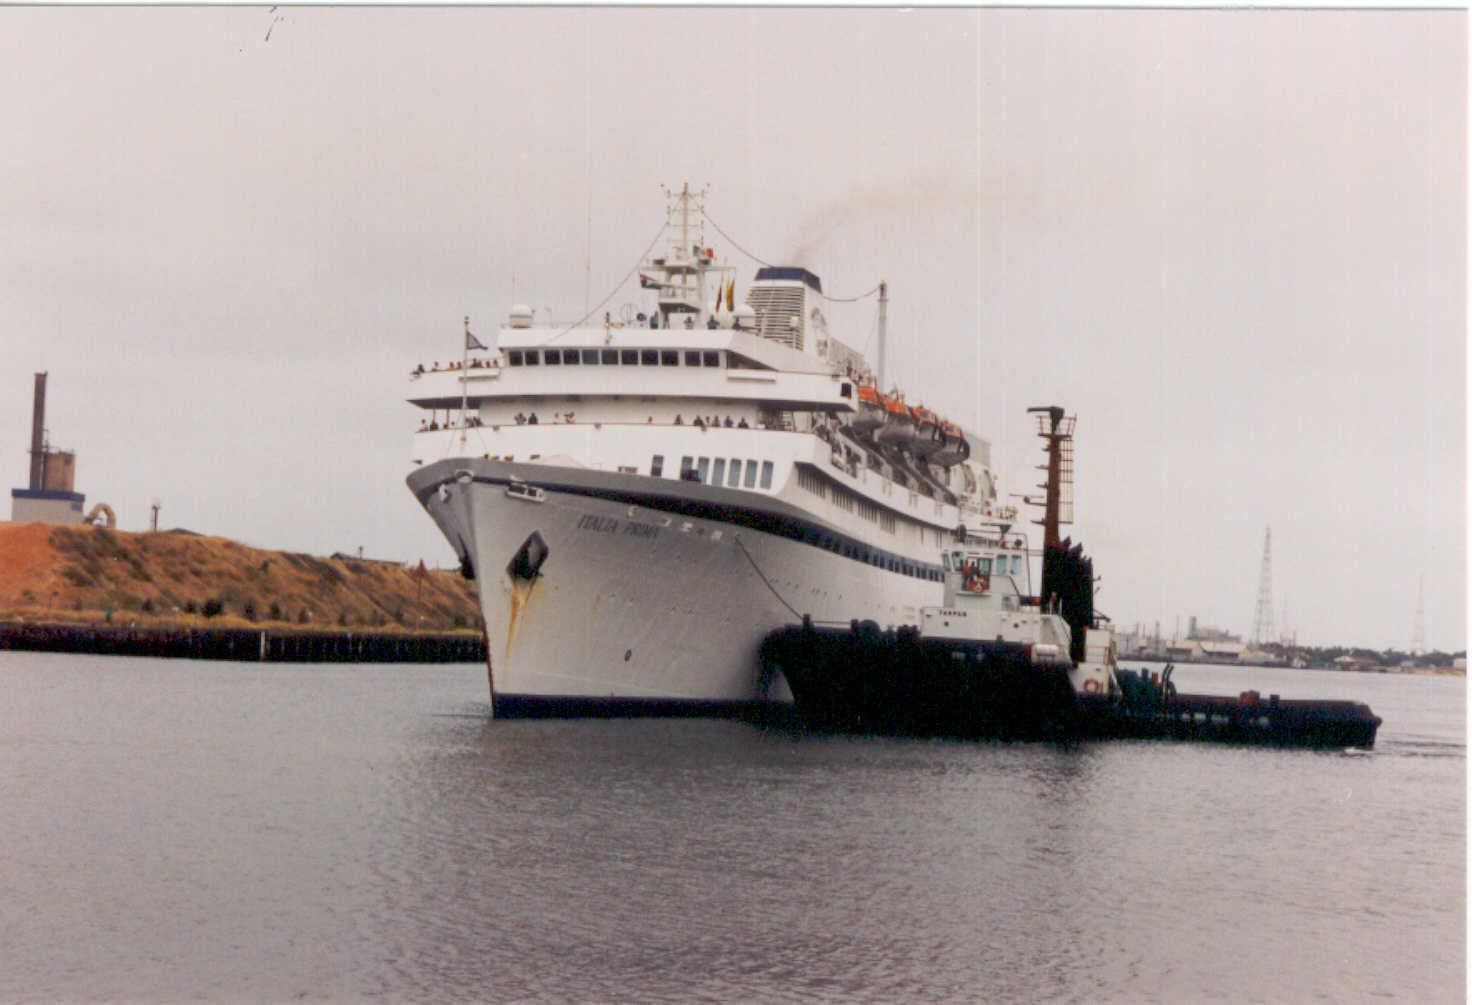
column 1232, row 242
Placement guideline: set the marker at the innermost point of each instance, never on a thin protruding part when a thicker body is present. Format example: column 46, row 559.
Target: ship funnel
column 38, row 434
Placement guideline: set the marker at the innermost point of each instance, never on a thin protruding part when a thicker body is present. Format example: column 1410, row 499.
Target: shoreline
column 257, row 644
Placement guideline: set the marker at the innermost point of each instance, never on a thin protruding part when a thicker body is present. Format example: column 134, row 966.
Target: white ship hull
column 654, row 596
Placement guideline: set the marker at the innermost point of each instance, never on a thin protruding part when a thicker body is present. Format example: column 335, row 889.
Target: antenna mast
column 1262, row 624
column 1057, row 502
column 1418, row 634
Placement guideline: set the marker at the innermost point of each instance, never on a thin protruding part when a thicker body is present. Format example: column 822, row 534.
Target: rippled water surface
column 173, row 830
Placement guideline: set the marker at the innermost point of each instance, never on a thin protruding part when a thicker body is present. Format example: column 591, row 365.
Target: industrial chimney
column 50, row 495
column 38, row 434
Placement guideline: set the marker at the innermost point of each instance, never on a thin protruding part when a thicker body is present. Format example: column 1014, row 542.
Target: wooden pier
column 253, row 645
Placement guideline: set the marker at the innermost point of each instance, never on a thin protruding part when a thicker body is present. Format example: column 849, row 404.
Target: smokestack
column 38, row 432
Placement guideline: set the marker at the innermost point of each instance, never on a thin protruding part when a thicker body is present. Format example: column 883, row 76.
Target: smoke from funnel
column 819, row 226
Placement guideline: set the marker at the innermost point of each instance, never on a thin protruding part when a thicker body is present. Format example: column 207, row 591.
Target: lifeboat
column 928, row 437
column 899, row 426
column 954, row 447
column 871, row 409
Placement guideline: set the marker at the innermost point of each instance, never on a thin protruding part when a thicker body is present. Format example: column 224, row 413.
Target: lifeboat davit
column 954, row 446
column 871, row 410
column 899, row 425
column 928, row 437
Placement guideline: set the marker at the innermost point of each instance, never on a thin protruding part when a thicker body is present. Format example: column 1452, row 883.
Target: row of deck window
column 611, row 357
column 734, row 473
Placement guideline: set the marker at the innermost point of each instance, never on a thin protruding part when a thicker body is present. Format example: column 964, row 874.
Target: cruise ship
column 640, row 499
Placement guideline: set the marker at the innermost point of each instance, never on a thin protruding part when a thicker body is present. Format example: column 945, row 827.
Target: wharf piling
column 257, row 645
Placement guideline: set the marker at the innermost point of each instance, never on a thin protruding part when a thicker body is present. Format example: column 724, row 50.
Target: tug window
column 656, row 466
column 514, row 357
column 718, row 471
column 590, row 357
column 648, row 357
column 669, row 357
column 711, row 358
column 692, row 358
column 750, row 474
column 984, row 566
column 735, row 480
column 766, row 474
column 628, row 357
column 1016, row 565
column 610, row 357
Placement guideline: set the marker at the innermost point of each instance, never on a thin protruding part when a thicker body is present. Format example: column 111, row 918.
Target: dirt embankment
column 88, row 573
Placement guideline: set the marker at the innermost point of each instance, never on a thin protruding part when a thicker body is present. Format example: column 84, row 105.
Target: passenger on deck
column 654, row 321
column 419, row 369
column 700, row 422
column 531, row 420
column 742, row 424
column 710, row 322
column 690, row 324
column 736, row 324
column 520, row 419
column 729, row 423
column 679, row 421
column 433, row 425
column 423, row 425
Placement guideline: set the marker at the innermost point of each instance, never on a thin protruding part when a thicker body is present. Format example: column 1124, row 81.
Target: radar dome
column 520, row 316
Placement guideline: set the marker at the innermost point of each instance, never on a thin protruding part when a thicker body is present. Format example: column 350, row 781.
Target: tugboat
column 989, row 662
column 994, row 662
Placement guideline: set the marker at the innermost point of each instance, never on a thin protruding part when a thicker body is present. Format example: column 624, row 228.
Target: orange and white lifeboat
column 928, row 437
column 899, row 424
column 871, row 409
column 954, row 447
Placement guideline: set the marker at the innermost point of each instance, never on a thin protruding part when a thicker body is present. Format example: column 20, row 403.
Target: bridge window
column 553, row 357
column 628, row 357
column 570, row 357
column 532, row 357
column 590, row 357
column 669, row 357
column 649, row 357
column 692, row 358
column 766, row 474
column 656, row 466
column 514, row 357
column 610, row 357
column 711, row 358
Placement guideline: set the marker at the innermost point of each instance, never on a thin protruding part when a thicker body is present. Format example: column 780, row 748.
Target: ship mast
column 1057, row 430
column 883, row 318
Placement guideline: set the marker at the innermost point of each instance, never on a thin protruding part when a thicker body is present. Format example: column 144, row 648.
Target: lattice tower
column 1418, row 634
column 1262, row 622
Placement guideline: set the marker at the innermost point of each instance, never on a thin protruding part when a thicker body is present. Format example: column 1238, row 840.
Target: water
column 173, row 830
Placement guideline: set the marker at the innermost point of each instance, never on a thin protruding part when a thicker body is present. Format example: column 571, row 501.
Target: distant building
column 49, row 495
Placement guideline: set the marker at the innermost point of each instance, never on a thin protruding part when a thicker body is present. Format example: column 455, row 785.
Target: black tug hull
column 863, row 680
column 1218, row 719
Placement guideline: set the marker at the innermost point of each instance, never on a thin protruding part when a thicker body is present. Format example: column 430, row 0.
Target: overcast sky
column 1232, row 242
